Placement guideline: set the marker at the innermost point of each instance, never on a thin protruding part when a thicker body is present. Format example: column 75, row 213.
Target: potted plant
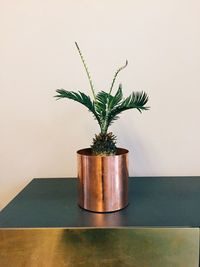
column 103, row 168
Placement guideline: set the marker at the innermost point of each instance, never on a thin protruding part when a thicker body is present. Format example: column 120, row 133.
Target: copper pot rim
column 88, row 152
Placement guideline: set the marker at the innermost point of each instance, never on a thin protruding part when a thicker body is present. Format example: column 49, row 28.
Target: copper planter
column 102, row 181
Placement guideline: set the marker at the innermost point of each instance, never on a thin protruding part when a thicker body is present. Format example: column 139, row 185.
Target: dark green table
column 43, row 226
column 153, row 202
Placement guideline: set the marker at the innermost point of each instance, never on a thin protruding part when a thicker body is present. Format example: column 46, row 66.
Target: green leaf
column 101, row 104
column 78, row 97
column 106, row 102
column 135, row 100
column 115, row 100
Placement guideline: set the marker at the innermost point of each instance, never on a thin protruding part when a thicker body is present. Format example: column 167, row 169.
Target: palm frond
column 106, row 102
column 135, row 100
column 116, row 99
column 101, row 104
column 78, row 97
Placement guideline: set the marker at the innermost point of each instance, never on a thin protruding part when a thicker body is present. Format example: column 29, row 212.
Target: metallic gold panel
column 99, row 247
column 103, row 180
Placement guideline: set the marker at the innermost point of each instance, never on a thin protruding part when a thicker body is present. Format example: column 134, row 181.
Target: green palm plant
column 105, row 108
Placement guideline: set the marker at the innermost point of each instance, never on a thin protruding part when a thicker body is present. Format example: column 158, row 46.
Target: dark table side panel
column 153, row 202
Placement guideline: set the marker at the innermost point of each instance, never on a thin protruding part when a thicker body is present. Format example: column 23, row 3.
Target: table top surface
column 153, row 202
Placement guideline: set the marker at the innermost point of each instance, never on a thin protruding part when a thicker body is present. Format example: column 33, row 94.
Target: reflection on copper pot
column 102, row 181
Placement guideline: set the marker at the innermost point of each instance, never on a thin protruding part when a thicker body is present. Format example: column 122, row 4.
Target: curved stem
column 115, row 76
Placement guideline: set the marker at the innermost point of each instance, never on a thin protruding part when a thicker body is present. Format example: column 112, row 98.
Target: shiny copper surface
column 102, row 181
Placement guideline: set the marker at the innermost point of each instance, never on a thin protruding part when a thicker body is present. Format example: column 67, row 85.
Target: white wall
column 39, row 136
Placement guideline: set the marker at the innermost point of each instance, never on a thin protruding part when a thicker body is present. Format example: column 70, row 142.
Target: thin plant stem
column 115, row 76
column 86, row 69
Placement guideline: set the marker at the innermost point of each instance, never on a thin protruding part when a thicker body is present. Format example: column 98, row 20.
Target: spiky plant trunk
column 104, row 144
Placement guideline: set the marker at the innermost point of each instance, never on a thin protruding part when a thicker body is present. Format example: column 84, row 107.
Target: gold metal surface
column 99, row 247
column 102, row 181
